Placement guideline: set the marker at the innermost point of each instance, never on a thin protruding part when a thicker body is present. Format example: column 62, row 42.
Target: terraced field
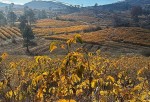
column 64, row 30
column 103, row 20
column 131, row 35
column 52, row 23
column 7, row 33
column 120, row 40
column 113, row 40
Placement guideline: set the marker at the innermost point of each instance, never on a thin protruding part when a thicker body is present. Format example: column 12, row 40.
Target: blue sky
column 79, row 2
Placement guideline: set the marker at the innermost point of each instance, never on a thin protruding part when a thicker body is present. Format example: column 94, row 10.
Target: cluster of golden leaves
column 79, row 76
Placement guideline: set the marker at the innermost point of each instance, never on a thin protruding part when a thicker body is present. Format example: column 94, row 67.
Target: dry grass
column 79, row 18
column 71, row 29
column 55, row 23
column 123, row 34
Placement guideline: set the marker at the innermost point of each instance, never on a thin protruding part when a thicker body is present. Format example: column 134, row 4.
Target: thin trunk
column 28, row 46
column 28, row 49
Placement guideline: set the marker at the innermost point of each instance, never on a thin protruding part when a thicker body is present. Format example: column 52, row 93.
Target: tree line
column 9, row 17
column 135, row 20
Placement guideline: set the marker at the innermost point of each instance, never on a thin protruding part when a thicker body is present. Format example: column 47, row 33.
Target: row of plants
column 65, row 30
column 77, row 77
column 55, row 23
column 7, row 33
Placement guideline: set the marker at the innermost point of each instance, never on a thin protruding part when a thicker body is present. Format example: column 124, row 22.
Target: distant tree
column 116, row 21
column 30, row 16
column 11, row 17
column 10, row 9
column 27, row 34
column 146, row 22
column 3, row 20
column 6, row 10
column 119, row 22
column 135, row 12
column 146, row 12
column 22, row 18
column 42, row 14
column 23, row 24
column 96, row 4
column 95, row 9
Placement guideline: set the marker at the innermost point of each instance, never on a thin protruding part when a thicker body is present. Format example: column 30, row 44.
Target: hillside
column 3, row 4
column 138, row 2
column 122, row 5
column 116, row 40
column 131, row 35
column 45, row 5
column 75, row 54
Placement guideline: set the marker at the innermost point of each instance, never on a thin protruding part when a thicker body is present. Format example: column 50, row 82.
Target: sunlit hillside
column 54, row 51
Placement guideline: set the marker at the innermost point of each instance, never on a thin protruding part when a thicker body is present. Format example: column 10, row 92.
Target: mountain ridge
column 45, row 5
column 123, row 5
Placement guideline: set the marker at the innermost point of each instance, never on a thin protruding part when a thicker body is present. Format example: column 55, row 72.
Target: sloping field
column 130, row 35
column 71, row 29
column 85, row 16
column 51, row 23
column 88, row 17
column 79, row 18
column 8, row 33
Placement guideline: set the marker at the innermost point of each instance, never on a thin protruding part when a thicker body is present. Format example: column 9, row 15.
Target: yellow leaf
column 75, row 78
column 133, row 100
column 20, row 97
column 78, row 38
column 40, row 94
column 110, row 78
column 34, row 82
column 22, row 73
column 140, row 71
column 119, row 75
column 79, row 91
column 13, row 65
column 9, row 94
column 90, row 54
column 70, row 41
column 71, row 100
column 45, row 73
column 53, row 46
column 64, row 100
column 138, row 87
column 103, row 92
column 63, row 78
column 4, row 56
column 1, row 85
column 37, row 58
column 39, row 78
column 63, row 46
column 93, row 84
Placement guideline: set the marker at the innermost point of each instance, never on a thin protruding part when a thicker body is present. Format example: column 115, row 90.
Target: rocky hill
column 45, row 5
column 123, row 5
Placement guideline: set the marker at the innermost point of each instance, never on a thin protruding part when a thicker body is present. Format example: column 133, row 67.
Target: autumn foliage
column 77, row 77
